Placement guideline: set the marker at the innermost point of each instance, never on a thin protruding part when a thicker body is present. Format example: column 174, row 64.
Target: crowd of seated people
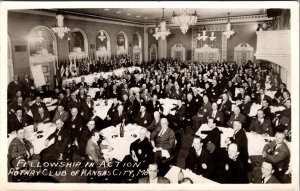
column 205, row 93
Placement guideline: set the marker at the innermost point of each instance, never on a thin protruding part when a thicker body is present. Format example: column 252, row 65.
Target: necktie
column 263, row 180
column 161, row 132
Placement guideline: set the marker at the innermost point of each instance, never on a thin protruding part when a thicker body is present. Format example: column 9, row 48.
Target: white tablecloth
column 168, row 104
column 120, row 145
column 172, row 175
column 256, row 142
column 89, row 79
column 102, row 107
column 38, row 143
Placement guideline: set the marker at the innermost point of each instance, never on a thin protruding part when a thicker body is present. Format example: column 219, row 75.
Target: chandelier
column 212, row 36
column 204, row 36
column 228, row 32
column 60, row 29
column 101, row 36
column 184, row 20
column 162, row 30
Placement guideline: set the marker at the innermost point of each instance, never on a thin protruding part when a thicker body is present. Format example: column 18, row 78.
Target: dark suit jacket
column 39, row 119
column 14, row 124
column 154, row 125
column 219, row 118
column 213, row 136
column 63, row 102
column 117, row 119
column 26, row 86
column 245, row 108
column 34, row 108
column 191, row 109
column 152, row 107
column 236, row 173
column 144, row 121
column 176, row 95
column 12, row 89
column 83, row 139
column 143, row 150
column 197, row 163
column 61, row 140
column 162, row 180
column 100, row 96
column 73, row 104
column 75, row 126
column 127, row 105
column 166, row 141
column 240, row 118
column 241, row 140
column 87, row 111
column 256, row 179
column 84, row 84
column 265, row 127
column 136, row 106
column 226, row 109
column 280, row 157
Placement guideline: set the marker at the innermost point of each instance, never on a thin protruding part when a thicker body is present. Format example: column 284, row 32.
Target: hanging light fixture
column 228, row 32
column 212, row 36
column 184, row 20
column 162, row 31
column 101, row 36
column 204, row 36
column 60, row 29
column 156, row 30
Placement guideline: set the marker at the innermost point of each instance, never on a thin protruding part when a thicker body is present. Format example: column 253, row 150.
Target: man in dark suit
column 162, row 138
column 75, row 126
column 38, row 103
column 236, row 116
column 82, row 83
column 232, row 171
column 158, row 91
column 84, row 137
column 143, row 119
column 16, row 104
column 13, row 87
column 265, row 175
column 153, row 105
column 245, row 107
column 261, row 96
column 239, row 137
column 73, row 103
column 153, row 178
column 202, row 114
column 62, row 100
column 179, row 116
column 126, row 103
column 199, row 159
column 190, row 108
column 225, row 107
column 87, row 107
column 58, row 148
column 260, row 125
column 42, row 116
column 119, row 116
column 17, row 121
column 278, row 154
column 176, row 93
column 26, row 85
column 20, row 152
column 101, row 94
column 216, row 114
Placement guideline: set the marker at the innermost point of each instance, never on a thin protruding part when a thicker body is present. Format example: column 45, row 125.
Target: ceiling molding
column 100, row 19
column 79, row 17
column 223, row 20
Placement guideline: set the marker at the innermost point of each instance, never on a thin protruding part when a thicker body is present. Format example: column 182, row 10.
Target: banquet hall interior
column 149, row 95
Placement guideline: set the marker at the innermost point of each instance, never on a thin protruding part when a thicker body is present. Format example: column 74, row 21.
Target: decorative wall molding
column 104, row 52
column 243, row 52
column 153, row 52
column 86, row 44
column 178, row 48
column 224, row 48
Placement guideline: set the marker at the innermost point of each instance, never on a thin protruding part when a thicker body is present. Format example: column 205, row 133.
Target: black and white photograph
column 129, row 93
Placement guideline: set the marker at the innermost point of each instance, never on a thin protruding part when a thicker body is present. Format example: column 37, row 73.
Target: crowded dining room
column 150, row 95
